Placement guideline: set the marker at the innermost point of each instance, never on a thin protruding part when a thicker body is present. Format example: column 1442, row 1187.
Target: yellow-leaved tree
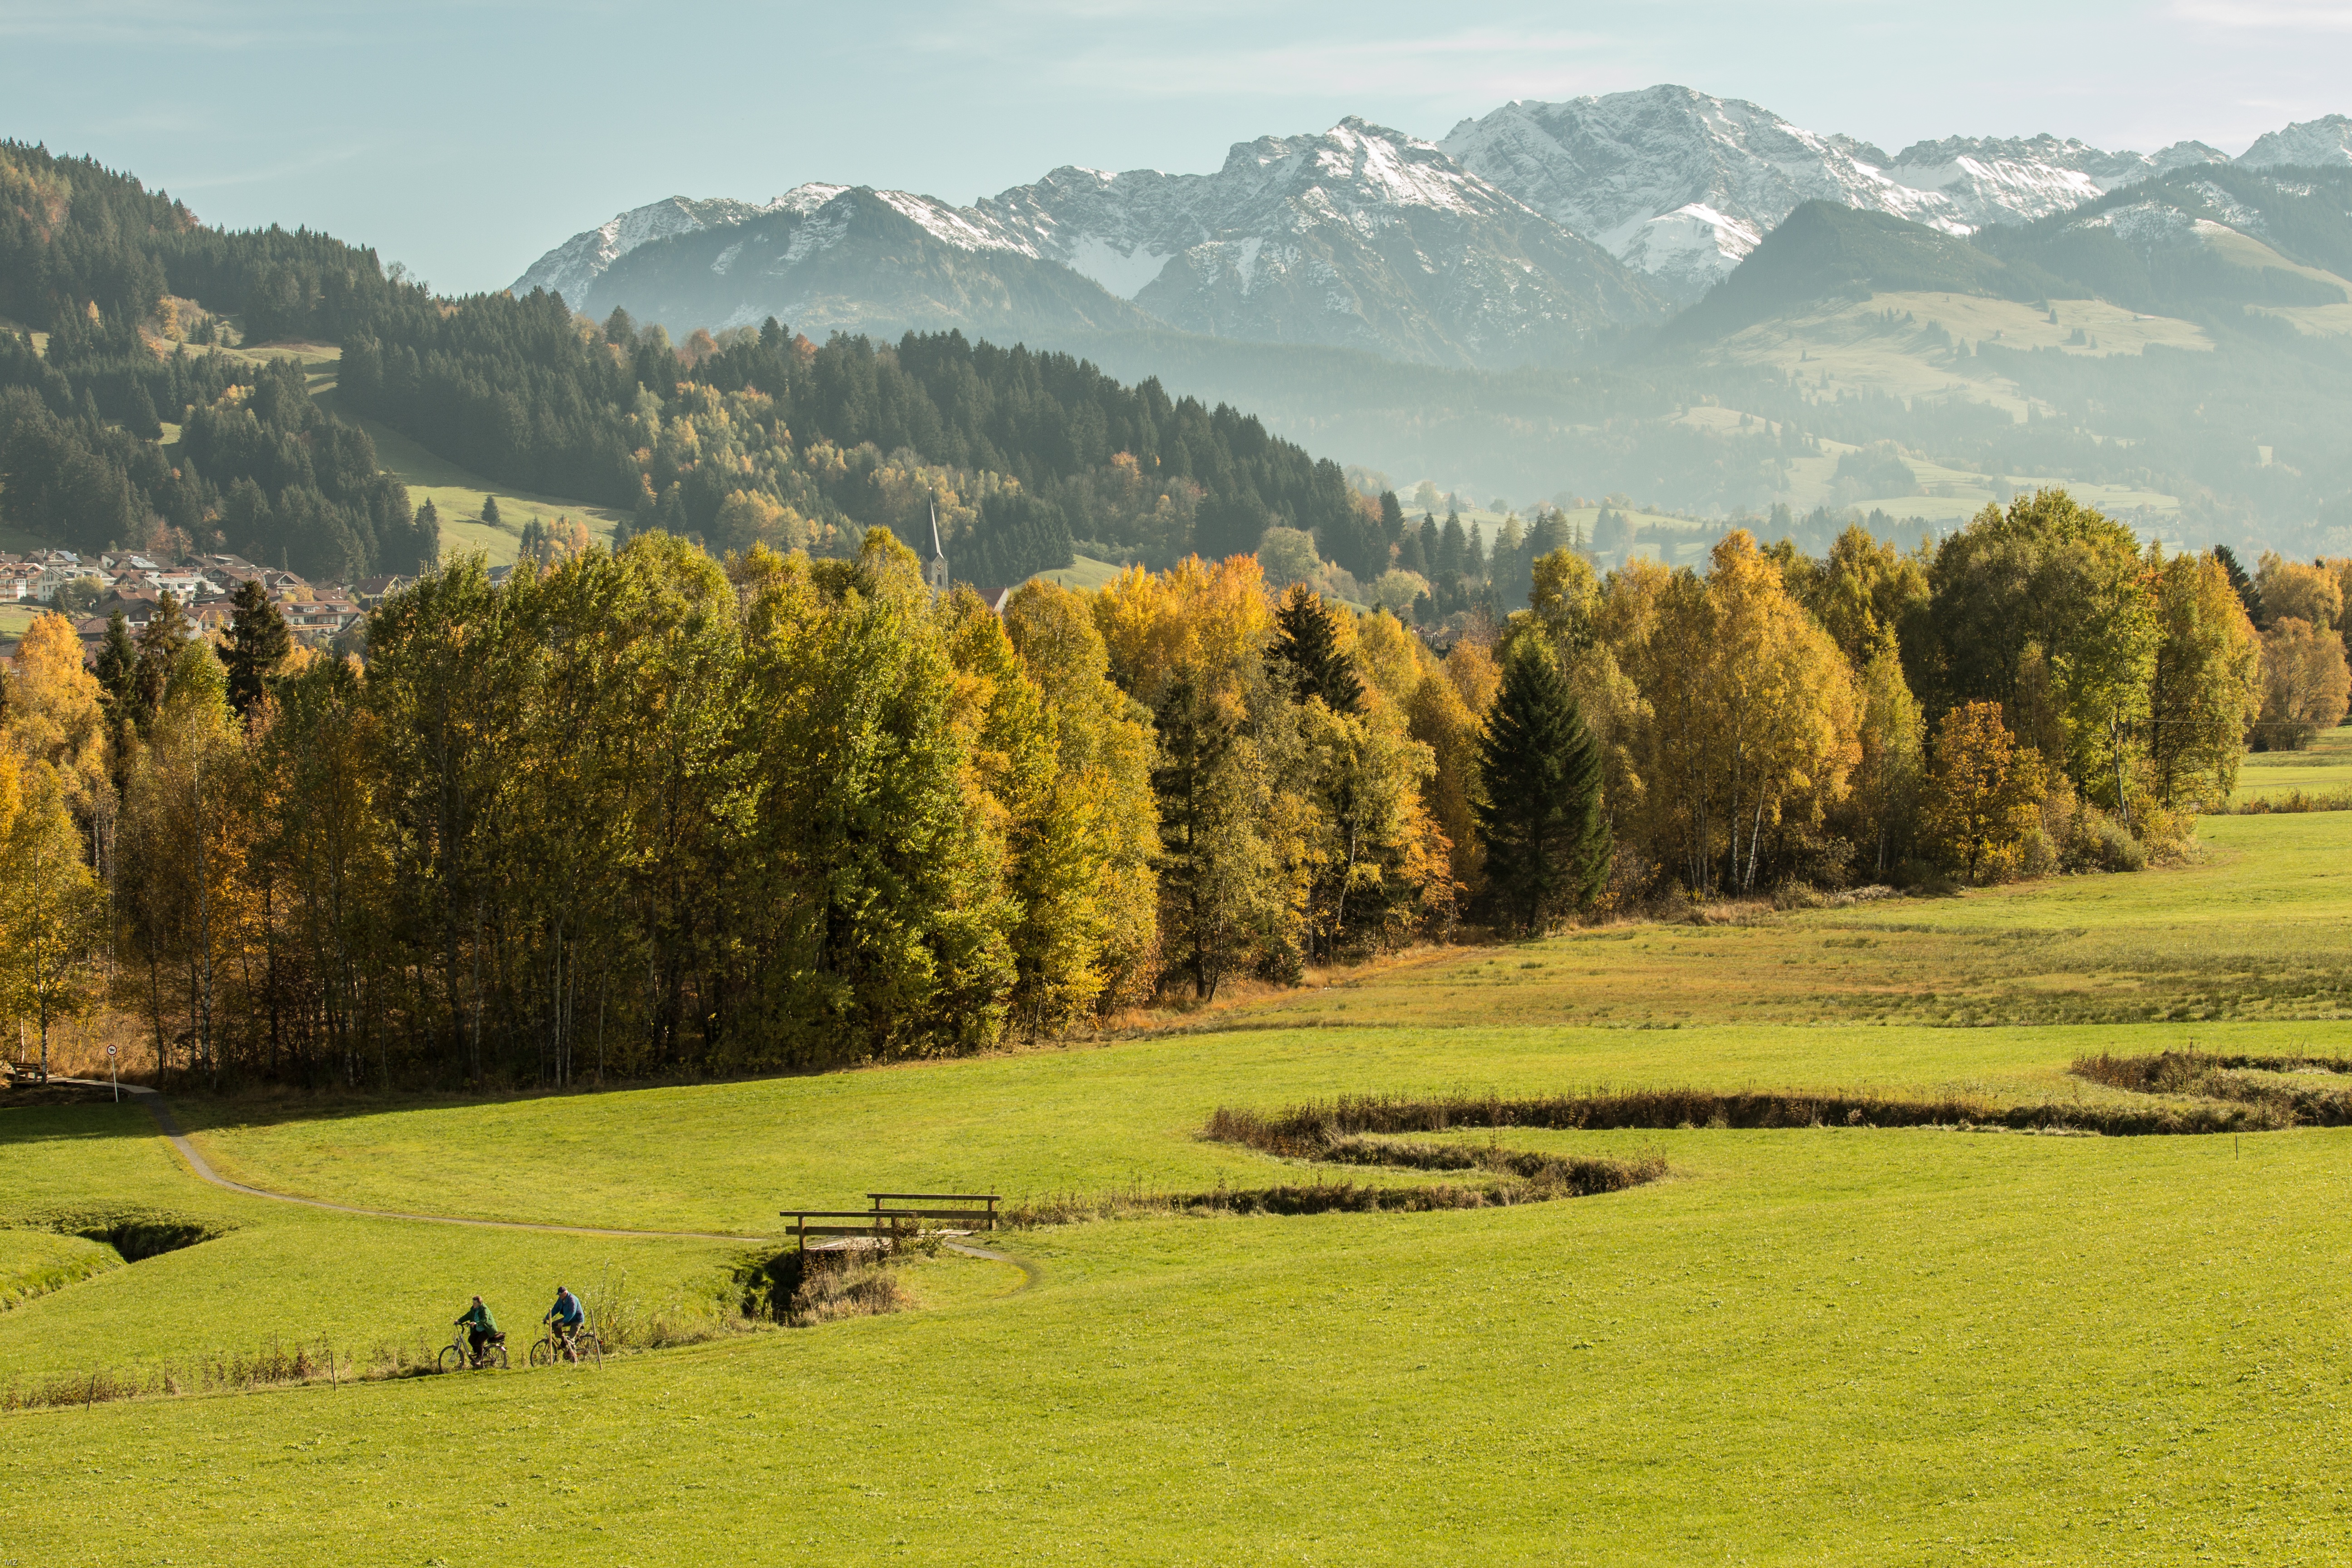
column 1751, row 723
column 2306, row 684
column 1186, row 644
column 2208, row 684
column 1101, row 796
column 51, row 917
column 1983, row 795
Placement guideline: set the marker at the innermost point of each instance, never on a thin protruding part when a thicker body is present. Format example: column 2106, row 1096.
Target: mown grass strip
column 2293, row 802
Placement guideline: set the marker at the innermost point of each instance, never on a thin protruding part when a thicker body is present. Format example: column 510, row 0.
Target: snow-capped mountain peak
column 2307, row 143
column 572, row 267
column 1680, row 184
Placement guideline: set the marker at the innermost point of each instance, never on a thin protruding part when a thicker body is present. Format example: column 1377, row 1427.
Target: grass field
column 1836, row 1344
column 2324, row 767
column 14, row 621
column 1084, row 574
column 1848, row 345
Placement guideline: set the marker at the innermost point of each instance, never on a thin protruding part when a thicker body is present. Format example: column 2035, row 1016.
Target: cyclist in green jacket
column 481, row 1328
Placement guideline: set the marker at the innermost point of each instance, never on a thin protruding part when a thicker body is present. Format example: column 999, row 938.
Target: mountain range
column 1659, row 294
column 1527, row 234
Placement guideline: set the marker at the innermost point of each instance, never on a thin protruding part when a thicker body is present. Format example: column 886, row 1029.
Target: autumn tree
column 2051, row 591
column 1983, row 794
column 1749, row 717
column 882, row 897
column 1863, row 594
column 2305, row 684
column 2292, row 590
column 2207, row 685
column 1893, row 763
column 1102, row 794
column 54, row 713
column 51, row 915
column 186, row 833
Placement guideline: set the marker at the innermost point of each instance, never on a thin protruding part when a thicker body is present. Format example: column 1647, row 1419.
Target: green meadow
column 1821, row 1344
column 2324, row 767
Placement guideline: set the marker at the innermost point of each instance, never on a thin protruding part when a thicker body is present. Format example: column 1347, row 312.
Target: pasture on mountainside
column 1927, row 1343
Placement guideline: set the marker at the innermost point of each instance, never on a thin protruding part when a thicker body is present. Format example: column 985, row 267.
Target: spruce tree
column 1306, row 641
column 1547, row 843
column 258, row 643
column 118, row 665
column 2249, row 595
column 142, row 421
column 490, row 511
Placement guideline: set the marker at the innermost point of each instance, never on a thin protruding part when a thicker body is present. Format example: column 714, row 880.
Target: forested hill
column 764, row 437
column 756, row 436
column 120, row 279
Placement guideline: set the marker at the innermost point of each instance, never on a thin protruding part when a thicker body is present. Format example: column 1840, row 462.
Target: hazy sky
column 467, row 139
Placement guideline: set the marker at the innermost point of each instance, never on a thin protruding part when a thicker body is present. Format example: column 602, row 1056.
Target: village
column 92, row 589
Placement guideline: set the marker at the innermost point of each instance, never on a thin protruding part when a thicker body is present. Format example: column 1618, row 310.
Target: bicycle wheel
column 543, row 1353
column 590, row 1349
column 452, row 1358
column 495, row 1356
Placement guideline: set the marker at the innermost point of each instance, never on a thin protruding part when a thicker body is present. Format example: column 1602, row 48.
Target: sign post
column 114, row 1075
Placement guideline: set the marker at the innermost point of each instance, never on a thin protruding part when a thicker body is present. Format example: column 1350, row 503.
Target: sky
column 466, row 138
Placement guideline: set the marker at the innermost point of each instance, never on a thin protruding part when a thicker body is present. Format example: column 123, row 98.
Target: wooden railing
column 883, row 1223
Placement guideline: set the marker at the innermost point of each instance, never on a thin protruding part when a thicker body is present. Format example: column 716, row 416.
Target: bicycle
column 458, row 1354
column 582, row 1346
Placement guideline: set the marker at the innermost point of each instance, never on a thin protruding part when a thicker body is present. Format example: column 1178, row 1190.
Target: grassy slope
column 455, row 492
column 1828, row 1345
column 287, row 1272
column 33, row 1263
column 1085, row 573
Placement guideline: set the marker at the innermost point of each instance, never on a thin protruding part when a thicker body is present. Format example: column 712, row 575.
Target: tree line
column 644, row 812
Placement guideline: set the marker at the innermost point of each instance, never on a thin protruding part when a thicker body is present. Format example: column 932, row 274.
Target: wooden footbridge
column 889, row 1219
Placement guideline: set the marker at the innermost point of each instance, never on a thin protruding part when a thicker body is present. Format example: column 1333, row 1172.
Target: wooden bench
column 882, row 1224
column 27, row 1072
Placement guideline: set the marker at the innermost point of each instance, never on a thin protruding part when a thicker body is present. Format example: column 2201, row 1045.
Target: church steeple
column 935, row 569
